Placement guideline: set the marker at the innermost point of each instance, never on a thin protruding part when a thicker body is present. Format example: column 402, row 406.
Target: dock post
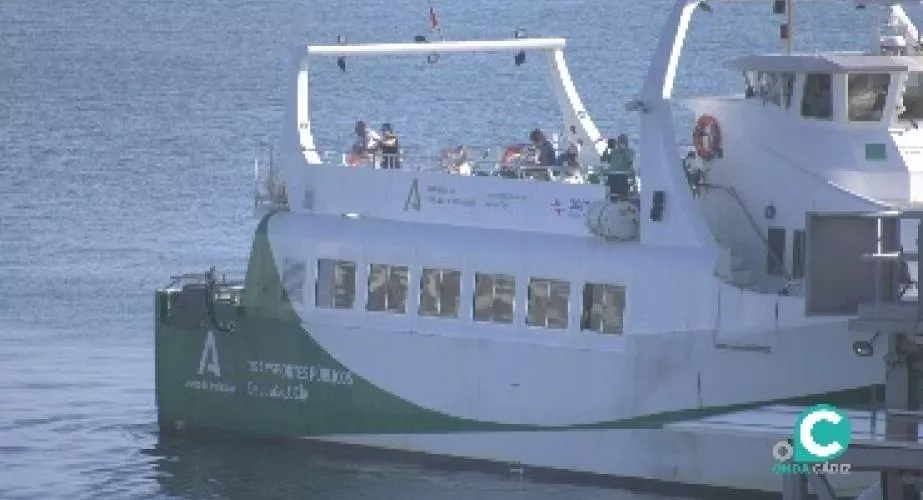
column 795, row 487
column 902, row 392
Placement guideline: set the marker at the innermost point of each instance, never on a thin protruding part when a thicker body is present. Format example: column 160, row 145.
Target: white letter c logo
column 805, row 433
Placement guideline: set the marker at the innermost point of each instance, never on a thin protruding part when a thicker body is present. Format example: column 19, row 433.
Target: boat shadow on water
column 210, row 464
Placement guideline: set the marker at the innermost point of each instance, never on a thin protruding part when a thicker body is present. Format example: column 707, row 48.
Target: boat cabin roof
column 843, row 62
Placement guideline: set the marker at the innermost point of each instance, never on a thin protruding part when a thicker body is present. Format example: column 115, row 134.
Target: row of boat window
column 548, row 300
column 866, row 93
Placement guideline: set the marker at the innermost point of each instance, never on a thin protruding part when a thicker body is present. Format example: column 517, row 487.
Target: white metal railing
column 515, row 163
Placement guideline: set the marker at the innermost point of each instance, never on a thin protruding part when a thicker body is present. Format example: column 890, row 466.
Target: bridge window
column 777, row 88
column 911, row 105
column 293, row 279
column 868, row 94
column 387, row 289
column 548, row 303
column 335, row 287
column 494, row 296
column 818, row 98
column 775, row 252
column 440, row 292
column 603, row 308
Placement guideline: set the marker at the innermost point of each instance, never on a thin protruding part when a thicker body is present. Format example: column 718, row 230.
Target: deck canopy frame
column 577, row 122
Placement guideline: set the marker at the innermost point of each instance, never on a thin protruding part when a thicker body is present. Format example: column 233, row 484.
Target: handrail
column 410, row 48
column 753, row 224
column 488, row 161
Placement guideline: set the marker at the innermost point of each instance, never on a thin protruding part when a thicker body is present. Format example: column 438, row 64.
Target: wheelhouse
column 846, row 88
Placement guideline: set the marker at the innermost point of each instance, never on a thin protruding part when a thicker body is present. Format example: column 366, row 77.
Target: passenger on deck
column 546, row 156
column 390, row 148
column 618, row 160
column 455, row 160
column 367, row 141
column 570, row 157
column 619, row 157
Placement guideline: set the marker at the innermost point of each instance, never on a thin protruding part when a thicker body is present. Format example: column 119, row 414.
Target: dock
column 894, row 322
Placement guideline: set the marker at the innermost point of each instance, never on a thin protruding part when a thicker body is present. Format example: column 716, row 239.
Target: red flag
column 433, row 20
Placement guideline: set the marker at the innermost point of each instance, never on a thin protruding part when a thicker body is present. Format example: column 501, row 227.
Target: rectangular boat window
column 548, row 303
column 293, row 279
column 335, row 287
column 867, row 95
column 440, row 292
column 776, row 88
column 494, row 296
column 387, row 289
column 775, row 253
column 910, row 105
column 817, row 101
column 798, row 253
column 603, row 308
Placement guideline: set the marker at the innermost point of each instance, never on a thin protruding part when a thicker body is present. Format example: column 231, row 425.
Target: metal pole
column 902, row 392
column 879, row 249
column 789, row 18
column 919, row 271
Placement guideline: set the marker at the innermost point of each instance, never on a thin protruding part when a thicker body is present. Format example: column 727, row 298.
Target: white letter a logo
column 209, row 359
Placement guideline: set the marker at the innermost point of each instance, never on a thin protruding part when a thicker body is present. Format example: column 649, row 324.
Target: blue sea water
column 128, row 130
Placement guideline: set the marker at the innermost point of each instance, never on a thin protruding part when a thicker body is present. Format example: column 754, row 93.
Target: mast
column 786, row 29
column 790, row 27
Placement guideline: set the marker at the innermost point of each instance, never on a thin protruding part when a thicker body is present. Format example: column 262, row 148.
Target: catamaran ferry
column 656, row 326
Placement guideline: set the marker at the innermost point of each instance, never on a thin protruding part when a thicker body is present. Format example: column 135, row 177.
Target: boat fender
column 706, row 137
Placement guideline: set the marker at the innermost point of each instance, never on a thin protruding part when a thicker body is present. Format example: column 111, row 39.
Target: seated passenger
column 455, row 161
column 367, row 141
column 390, row 148
column 546, row 156
column 570, row 157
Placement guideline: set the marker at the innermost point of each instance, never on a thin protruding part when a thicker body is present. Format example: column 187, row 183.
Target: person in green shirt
column 618, row 167
column 619, row 158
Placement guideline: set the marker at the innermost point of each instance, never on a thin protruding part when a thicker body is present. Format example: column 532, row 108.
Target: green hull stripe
column 273, row 378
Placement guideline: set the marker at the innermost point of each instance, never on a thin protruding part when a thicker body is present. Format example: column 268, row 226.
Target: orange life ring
column 706, row 137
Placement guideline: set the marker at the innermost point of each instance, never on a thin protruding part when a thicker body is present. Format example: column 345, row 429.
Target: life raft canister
column 706, row 137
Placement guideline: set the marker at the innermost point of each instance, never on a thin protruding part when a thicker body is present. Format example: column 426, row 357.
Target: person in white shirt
column 367, row 141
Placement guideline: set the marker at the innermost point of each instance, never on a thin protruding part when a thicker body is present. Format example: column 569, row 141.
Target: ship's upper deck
column 556, row 200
